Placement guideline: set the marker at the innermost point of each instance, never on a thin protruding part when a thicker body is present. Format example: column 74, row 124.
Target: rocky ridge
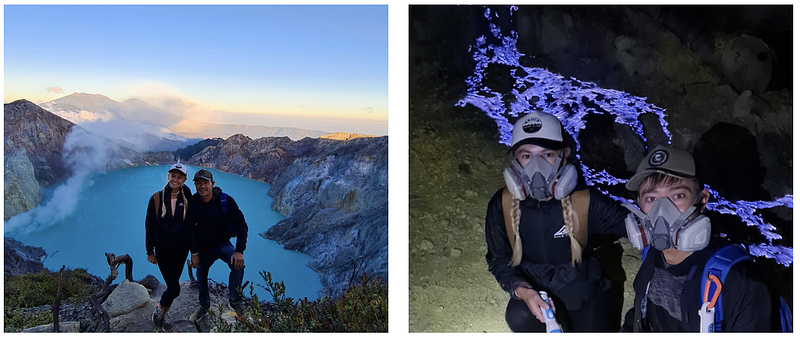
column 334, row 194
column 19, row 259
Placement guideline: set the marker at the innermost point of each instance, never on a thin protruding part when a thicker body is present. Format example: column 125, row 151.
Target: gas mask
column 540, row 180
column 664, row 226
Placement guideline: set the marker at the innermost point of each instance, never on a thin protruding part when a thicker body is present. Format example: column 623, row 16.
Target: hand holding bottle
column 549, row 315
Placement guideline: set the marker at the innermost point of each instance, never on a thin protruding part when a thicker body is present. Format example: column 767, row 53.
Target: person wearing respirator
column 678, row 239
column 530, row 246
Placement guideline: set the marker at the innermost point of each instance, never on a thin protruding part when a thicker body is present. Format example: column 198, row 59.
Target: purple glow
column 567, row 99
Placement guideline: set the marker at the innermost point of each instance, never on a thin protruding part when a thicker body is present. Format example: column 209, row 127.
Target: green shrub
column 363, row 307
column 37, row 289
column 14, row 320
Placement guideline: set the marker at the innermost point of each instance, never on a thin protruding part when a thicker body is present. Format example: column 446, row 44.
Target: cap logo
column 532, row 125
column 658, row 158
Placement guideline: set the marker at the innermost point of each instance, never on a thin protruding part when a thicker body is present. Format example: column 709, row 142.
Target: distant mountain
column 145, row 127
column 198, row 129
column 132, row 109
column 132, row 123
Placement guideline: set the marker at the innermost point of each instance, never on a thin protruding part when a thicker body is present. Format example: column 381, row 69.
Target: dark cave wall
column 670, row 55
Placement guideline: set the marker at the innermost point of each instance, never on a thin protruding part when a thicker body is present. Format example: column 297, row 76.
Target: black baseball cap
column 204, row 175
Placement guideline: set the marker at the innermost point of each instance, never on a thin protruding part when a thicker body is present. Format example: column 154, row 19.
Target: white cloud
column 169, row 99
column 54, row 89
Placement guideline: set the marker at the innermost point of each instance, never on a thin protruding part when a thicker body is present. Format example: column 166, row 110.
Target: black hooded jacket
column 546, row 255
column 745, row 295
column 212, row 224
column 168, row 233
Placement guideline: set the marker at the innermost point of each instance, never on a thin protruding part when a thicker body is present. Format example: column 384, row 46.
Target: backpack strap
column 157, row 202
column 223, row 200
column 785, row 314
column 507, row 215
column 580, row 203
column 714, row 274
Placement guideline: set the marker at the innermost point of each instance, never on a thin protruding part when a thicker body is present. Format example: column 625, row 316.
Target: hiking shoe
column 166, row 323
column 158, row 316
column 238, row 307
column 198, row 314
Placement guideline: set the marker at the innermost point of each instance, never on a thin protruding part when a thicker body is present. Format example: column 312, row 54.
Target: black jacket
column 212, row 224
column 744, row 294
column 546, row 255
column 170, row 233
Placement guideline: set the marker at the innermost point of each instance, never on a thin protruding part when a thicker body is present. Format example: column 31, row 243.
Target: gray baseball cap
column 178, row 167
column 664, row 159
column 538, row 128
column 203, row 174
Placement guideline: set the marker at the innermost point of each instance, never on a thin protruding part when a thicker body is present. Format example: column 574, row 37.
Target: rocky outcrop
column 159, row 158
column 334, row 194
column 19, row 182
column 336, row 204
column 140, row 319
column 260, row 159
column 127, row 297
column 42, row 135
column 19, row 259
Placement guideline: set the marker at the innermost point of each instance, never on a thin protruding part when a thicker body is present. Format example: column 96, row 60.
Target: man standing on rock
column 218, row 219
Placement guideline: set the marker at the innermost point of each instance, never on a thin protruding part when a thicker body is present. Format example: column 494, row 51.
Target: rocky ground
column 130, row 307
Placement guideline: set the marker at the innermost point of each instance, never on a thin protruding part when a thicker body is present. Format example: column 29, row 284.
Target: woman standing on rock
column 540, row 232
column 169, row 231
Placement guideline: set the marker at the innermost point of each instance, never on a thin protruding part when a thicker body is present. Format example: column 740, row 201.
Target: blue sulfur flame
column 571, row 100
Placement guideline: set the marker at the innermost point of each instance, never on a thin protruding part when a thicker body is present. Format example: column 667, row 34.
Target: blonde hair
column 571, row 224
column 516, row 213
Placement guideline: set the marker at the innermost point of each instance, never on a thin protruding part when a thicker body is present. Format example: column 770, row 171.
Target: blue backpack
column 717, row 268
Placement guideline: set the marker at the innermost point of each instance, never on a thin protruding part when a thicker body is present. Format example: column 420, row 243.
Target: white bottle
column 549, row 316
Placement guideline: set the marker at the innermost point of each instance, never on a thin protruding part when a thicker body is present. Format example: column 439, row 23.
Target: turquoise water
column 109, row 215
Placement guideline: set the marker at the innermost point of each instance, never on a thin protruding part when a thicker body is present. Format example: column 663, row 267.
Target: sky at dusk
column 315, row 63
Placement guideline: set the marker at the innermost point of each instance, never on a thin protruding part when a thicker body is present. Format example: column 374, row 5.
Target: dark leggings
column 593, row 316
column 171, row 266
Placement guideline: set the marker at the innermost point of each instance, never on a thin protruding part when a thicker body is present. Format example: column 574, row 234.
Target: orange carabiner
column 716, row 292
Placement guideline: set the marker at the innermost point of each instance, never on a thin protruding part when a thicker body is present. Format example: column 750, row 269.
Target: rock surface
column 127, row 297
column 63, row 327
column 42, row 134
column 19, row 259
column 159, row 158
column 20, row 188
